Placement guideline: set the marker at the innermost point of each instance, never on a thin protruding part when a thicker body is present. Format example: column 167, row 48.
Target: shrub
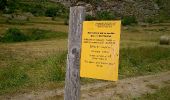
column 14, row 35
column 51, row 12
column 12, row 6
column 89, row 17
column 104, row 15
column 3, row 4
column 38, row 10
column 129, row 20
column 58, row 10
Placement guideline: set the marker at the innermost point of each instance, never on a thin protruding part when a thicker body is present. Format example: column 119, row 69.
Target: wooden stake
column 72, row 80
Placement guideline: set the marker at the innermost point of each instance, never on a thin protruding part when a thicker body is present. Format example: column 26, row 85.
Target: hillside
column 150, row 11
column 142, row 10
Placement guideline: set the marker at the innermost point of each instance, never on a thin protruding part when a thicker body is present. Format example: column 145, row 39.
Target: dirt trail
column 123, row 89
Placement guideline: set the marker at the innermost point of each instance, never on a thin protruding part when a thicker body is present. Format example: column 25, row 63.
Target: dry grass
column 36, row 22
column 151, row 86
column 30, row 51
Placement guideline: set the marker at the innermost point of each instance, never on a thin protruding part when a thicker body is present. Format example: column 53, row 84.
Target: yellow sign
column 100, row 50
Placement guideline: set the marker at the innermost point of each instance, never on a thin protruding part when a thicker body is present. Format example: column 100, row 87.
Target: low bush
column 104, row 15
column 51, row 12
column 129, row 20
column 14, row 35
column 90, row 17
column 3, row 4
column 38, row 10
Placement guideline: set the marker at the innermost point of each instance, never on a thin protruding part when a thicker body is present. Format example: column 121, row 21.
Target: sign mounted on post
column 100, row 50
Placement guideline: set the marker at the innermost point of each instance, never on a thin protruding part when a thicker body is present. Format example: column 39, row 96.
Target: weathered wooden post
column 72, row 80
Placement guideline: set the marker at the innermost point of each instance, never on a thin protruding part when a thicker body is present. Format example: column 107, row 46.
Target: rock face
column 141, row 9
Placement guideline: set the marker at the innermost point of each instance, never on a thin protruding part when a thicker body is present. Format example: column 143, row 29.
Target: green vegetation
column 37, row 34
column 15, row 76
column 143, row 60
column 128, row 20
column 3, row 4
column 12, row 77
column 133, row 62
column 101, row 15
column 15, row 35
column 36, row 7
column 104, row 15
column 41, row 64
column 89, row 18
column 162, row 94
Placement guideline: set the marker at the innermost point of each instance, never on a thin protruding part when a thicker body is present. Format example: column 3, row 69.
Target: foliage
column 93, row 2
column 89, row 17
column 44, row 9
column 3, row 4
column 104, row 15
column 164, row 11
column 51, row 12
column 37, row 8
column 13, row 35
column 128, row 20
column 12, row 6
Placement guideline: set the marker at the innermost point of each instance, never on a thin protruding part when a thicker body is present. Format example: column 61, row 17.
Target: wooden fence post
column 72, row 80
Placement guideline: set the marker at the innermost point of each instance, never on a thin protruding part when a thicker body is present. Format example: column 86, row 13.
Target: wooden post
column 72, row 80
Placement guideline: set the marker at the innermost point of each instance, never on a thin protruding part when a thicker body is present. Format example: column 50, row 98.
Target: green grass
column 15, row 35
column 162, row 94
column 11, row 78
column 133, row 62
column 143, row 60
column 41, row 64
column 19, row 75
column 37, row 34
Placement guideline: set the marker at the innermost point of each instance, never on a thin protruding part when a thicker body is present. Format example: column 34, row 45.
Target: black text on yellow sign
column 100, row 50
